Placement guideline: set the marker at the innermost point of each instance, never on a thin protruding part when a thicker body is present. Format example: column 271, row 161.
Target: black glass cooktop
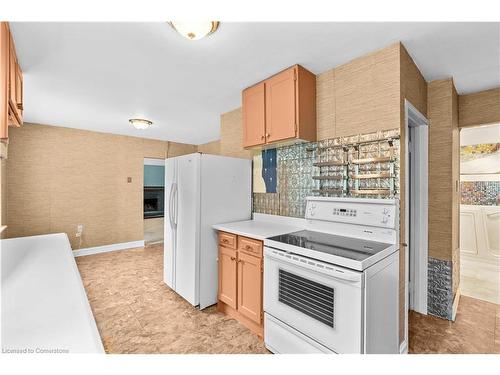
column 347, row 247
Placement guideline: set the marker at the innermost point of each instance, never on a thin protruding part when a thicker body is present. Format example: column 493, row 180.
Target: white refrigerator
column 201, row 190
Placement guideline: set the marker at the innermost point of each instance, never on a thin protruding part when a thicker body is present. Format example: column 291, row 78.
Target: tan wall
column 367, row 96
column 443, row 169
column 361, row 96
column 61, row 177
column 479, row 108
column 325, row 105
column 210, row 148
column 413, row 84
column 231, row 135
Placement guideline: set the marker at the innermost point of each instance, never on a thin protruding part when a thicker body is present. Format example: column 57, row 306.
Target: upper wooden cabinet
column 281, row 108
column 4, row 79
column 11, row 83
column 254, row 115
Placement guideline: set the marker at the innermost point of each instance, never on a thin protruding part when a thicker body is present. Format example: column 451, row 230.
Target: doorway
column 416, row 211
column 480, row 212
column 154, row 200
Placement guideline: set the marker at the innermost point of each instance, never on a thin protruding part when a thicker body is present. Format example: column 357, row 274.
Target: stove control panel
column 381, row 213
column 344, row 212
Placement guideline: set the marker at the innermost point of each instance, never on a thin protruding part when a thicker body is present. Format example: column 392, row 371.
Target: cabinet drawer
column 227, row 240
column 250, row 246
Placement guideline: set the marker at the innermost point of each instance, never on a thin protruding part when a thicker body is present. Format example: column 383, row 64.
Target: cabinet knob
column 268, row 135
column 263, row 137
column 225, row 240
column 233, row 258
column 248, row 247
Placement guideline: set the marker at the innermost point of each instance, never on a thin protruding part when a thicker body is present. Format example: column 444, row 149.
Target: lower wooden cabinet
column 240, row 280
column 227, row 276
column 250, row 286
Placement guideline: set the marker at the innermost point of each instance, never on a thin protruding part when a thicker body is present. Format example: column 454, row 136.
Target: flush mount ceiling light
column 194, row 30
column 140, row 123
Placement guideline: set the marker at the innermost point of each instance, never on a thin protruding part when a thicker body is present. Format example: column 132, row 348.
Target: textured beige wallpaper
column 210, row 148
column 442, row 131
column 325, row 105
column 231, row 135
column 479, row 108
column 61, row 177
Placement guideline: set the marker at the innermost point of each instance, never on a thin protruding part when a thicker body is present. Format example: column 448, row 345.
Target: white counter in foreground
column 260, row 229
column 44, row 305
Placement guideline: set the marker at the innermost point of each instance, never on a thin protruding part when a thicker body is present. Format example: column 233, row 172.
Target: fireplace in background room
column 153, row 202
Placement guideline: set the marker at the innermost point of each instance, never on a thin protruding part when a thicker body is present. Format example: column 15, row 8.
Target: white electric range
column 333, row 287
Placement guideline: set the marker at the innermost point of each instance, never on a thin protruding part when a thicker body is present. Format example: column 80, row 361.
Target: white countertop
column 44, row 305
column 258, row 229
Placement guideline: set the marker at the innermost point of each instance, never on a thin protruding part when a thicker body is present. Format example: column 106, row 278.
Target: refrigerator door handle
column 176, row 205
column 170, row 216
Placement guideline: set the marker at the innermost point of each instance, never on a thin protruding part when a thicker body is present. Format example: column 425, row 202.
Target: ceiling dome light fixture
column 194, row 30
column 140, row 123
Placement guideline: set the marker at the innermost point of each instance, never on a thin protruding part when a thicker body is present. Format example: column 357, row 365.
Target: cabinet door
column 250, row 286
column 12, row 73
column 227, row 276
column 4, row 79
column 254, row 118
column 19, row 93
column 13, row 82
column 281, row 106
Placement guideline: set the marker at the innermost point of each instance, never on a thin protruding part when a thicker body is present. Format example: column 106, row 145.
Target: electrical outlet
column 79, row 230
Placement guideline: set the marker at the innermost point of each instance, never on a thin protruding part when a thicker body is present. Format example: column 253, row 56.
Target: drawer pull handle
column 241, row 261
column 233, row 258
column 248, row 247
column 225, row 240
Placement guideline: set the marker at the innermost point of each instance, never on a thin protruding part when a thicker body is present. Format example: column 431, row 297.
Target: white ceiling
column 96, row 76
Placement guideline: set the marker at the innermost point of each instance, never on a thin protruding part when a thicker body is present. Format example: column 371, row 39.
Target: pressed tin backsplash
column 365, row 165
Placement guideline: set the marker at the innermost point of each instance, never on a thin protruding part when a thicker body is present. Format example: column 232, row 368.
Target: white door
column 187, row 219
column 169, row 226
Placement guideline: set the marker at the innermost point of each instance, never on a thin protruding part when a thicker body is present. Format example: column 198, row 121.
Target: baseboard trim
column 108, row 248
column 454, row 308
column 403, row 348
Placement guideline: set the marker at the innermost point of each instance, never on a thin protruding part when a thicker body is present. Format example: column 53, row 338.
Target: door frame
column 416, row 259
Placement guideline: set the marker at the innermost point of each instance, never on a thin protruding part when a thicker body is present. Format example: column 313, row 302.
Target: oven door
column 320, row 300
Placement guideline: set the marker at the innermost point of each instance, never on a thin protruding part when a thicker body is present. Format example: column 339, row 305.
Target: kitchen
column 289, row 227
